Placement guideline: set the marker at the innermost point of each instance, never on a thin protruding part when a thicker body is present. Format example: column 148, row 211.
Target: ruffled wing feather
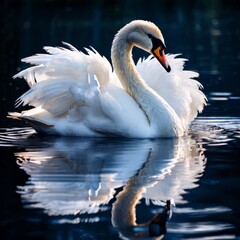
column 179, row 87
column 62, row 78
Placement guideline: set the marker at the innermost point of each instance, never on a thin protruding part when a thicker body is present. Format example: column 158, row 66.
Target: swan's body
column 78, row 94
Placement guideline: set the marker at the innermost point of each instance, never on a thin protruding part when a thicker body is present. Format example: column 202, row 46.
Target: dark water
column 75, row 188
column 71, row 188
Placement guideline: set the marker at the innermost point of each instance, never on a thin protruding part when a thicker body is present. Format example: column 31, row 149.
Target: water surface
column 75, row 187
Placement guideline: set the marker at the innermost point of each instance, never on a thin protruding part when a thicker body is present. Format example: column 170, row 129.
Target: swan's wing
column 179, row 87
column 62, row 78
column 77, row 91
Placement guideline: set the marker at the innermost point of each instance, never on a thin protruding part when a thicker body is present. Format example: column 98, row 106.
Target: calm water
column 75, row 188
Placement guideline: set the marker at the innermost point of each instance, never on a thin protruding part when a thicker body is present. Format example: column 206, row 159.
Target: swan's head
column 147, row 36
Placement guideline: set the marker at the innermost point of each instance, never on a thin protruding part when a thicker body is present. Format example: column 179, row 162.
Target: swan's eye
column 156, row 42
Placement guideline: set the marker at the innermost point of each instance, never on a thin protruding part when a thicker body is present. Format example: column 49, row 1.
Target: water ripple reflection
column 75, row 180
column 72, row 176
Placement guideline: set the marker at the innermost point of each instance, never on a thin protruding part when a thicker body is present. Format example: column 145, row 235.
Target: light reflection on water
column 92, row 181
column 63, row 180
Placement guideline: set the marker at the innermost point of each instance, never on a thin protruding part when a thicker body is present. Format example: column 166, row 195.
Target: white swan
column 78, row 94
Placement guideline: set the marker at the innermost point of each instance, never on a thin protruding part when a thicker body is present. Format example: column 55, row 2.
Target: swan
column 79, row 94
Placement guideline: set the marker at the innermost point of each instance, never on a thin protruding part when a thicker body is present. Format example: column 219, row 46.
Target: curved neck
column 126, row 71
column 156, row 109
column 125, row 68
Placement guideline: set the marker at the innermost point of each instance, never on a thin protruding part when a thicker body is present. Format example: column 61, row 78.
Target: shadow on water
column 116, row 186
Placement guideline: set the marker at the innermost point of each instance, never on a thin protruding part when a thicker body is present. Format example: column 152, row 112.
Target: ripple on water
column 67, row 188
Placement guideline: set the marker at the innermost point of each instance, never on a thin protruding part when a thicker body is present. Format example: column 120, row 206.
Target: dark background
column 205, row 32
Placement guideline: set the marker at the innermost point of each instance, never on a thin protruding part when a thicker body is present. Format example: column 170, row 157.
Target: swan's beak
column 159, row 54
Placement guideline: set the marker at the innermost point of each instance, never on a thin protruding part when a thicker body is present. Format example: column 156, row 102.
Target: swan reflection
column 70, row 176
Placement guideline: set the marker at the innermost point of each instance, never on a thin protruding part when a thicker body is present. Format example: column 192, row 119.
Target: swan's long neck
column 127, row 72
column 156, row 109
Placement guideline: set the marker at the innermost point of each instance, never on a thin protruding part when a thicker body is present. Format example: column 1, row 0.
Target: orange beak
column 160, row 56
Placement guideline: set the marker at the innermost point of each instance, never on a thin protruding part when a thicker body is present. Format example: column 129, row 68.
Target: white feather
column 79, row 94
